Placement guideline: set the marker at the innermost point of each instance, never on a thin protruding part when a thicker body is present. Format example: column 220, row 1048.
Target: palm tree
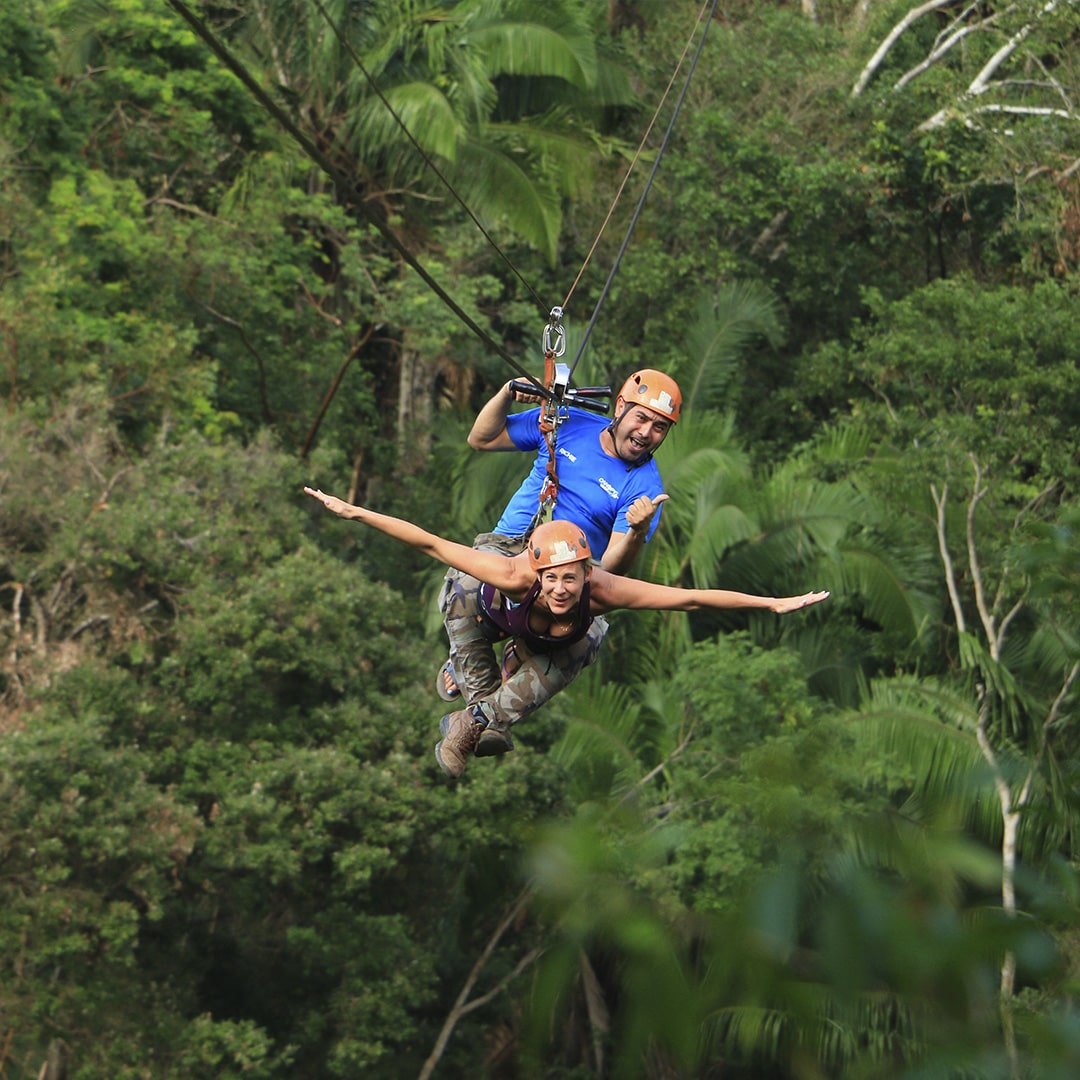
column 501, row 97
column 437, row 112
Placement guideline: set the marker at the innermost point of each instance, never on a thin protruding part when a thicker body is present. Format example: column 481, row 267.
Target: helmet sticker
column 663, row 403
column 562, row 552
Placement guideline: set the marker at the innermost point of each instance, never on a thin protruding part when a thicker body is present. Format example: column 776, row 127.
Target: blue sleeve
column 524, row 429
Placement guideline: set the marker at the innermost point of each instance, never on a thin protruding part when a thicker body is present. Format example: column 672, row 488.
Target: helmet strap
column 610, row 429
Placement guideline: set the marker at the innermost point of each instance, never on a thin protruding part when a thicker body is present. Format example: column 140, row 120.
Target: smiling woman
column 547, row 603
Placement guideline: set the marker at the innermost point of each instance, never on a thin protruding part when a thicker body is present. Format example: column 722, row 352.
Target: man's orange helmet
column 556, row 543
column 653, row 390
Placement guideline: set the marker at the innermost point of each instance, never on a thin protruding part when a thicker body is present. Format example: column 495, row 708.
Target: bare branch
column 944, row 45
column 88, row 624
column 249, row 345
column 332, row 389
column 1009, row 616
column 530, row 957
column 687, row 739
column 940, row 118
column 940, row 501
column 462, row 1006
column 891, row 39
column 1051, row 718
column 978, row 493
column 162, row 200
column 1071, row 171
column 983, row 83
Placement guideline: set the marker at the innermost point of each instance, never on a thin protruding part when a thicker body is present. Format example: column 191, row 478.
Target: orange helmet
column 555, row 543
column 653, row 390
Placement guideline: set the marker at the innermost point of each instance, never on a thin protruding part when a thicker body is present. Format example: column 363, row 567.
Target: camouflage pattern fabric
column 510, row 691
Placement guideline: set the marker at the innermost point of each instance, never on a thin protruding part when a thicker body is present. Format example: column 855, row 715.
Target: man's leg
column 472, row 659
column 472, row 655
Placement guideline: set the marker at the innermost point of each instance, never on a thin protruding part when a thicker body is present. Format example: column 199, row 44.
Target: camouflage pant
column 525, row 679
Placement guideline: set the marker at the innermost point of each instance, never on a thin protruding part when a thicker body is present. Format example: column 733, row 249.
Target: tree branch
column 462, row 1006
column 978, row 493
column 943, row 46
column 982, row 82
column 332, row 389
column 891, row 39
column 239, row 328
column 940, row 502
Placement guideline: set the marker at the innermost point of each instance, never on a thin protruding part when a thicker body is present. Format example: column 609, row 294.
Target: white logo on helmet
column 663, row 403
column 562, row 552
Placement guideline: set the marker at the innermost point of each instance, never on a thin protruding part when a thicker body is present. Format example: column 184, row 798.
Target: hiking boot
column 492, row 741
column 460, row 733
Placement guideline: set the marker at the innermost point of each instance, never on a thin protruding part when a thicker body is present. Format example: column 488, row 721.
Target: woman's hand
column 331, row 502
column 793, row 603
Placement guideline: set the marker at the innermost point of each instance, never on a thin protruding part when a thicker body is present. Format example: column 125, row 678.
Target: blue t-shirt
column 595, row 489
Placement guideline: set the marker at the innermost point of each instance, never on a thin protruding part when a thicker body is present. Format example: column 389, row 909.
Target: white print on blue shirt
column 597, row 505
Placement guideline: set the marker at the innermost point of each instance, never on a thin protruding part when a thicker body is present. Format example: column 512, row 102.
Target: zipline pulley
column 556, row 391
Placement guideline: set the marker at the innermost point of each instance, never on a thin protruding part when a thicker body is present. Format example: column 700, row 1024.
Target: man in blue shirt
column 608, row 481
column 610, row 486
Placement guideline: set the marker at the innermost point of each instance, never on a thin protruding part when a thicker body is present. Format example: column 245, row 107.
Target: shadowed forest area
column 837, row 844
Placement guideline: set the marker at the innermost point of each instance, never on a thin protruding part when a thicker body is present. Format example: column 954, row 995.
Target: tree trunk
column 416, row 379
column 55, row 1067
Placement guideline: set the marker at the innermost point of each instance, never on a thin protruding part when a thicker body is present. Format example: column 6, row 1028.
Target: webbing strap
column 549, row 426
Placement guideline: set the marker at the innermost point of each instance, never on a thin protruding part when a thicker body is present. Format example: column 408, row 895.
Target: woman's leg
column 530, row 679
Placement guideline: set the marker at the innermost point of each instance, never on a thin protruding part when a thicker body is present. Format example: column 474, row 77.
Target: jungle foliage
column 840, row 843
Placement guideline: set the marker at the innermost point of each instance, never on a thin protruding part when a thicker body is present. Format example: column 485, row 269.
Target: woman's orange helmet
column 653, row 390
column 556, row 543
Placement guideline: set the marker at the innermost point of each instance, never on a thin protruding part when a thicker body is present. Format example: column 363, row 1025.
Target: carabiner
column 554, row 334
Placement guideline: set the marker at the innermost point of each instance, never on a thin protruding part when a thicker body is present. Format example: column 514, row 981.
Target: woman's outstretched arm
column 613, row 591
column 511, row 575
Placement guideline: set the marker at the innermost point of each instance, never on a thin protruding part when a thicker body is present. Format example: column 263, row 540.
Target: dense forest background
column 838, row 844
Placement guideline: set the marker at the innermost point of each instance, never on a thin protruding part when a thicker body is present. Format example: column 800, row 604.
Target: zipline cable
column 633, row 161
column 648, row 185
column 344, row 184
column 347, row 45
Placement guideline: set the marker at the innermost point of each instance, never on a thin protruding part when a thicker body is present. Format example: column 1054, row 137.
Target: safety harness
column 558, row 396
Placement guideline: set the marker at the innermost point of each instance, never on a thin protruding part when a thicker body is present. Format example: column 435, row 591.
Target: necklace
column 557, row 627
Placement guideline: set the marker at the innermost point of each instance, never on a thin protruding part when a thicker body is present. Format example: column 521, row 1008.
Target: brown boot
column 492, row 741
column 460, row 733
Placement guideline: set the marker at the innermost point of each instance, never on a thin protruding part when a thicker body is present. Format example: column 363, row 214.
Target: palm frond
column 596, row 748
column 424, row 110
column 565, row 160
column 480, row 486
column 870, row 574
column 723, row 322
column 517, row 48
column 502, row 191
